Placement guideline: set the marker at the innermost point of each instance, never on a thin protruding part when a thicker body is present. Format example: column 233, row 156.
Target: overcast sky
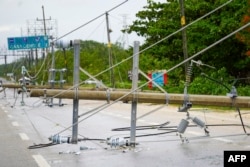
column 16, row 16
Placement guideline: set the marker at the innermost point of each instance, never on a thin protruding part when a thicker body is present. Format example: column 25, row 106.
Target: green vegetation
column 231, row 58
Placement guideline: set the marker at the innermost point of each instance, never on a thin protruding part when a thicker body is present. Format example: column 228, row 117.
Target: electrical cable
column 200, row 52
column 91, row 139
column 184, row 27
column 196, row 138
column 152, row 111
column 35, row 146
column 181, row 63
column 237, row 79
column 243, row 126
column 237, row 108
column 35, row 76
column 158, row 127
column 90, row 21
column 186, row 60
column 142, row 127
column 242, row 114
column 153, row 134
column 92, row 110
column 94, row 30
column 170, row 130
column 212, row 79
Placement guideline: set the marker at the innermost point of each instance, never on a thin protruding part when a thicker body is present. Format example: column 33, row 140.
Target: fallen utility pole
column 144, row 97
column 15, row 86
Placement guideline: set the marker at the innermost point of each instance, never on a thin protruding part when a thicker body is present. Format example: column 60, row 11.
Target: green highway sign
column 29, row 42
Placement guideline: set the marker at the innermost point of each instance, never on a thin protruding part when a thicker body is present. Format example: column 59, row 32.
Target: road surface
column 33, row 122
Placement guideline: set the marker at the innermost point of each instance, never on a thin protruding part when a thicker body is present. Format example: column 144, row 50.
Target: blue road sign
column 29, row 42
column 158, row 78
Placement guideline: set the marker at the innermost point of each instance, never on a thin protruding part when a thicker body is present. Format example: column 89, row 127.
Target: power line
column 103, row 14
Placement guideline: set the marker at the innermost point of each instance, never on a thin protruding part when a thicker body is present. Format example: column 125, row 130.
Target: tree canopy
column 158, row 20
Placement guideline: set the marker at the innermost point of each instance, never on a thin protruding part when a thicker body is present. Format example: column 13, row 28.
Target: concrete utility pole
column 135, row 95
column 143, row 97
column 76, row 85
column 112, row 78
column 44, row 27
column 44, row 23
column 52, row 72
column 184, row 34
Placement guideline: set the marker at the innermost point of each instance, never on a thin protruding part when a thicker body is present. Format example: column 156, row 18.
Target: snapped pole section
column 134, row 89
column 76, row 83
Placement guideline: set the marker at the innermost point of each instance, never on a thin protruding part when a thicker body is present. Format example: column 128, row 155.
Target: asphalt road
column 23, row 125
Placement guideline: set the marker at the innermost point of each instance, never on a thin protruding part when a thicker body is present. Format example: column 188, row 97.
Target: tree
column 158, row 20
column 94, row 59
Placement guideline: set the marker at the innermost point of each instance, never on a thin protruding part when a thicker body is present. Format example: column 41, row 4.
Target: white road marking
column 40, row 161
column 222, row 139
column 15, row 124
column 5, row 111
column 216, row 138
column 10, row 116
column 24, row 136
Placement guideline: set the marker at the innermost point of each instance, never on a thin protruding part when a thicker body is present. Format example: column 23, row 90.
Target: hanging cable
column 90, row 111
column 190, row 58
column 195, row 138
column 241, row 120
column 212, row 79
column 170, row 129
column 35, row 146
column 163, row 127
column 212, row 45
column 35, row 76
column 94, row 30
column 90, row 21
column 152, row 111
column 184, row 61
